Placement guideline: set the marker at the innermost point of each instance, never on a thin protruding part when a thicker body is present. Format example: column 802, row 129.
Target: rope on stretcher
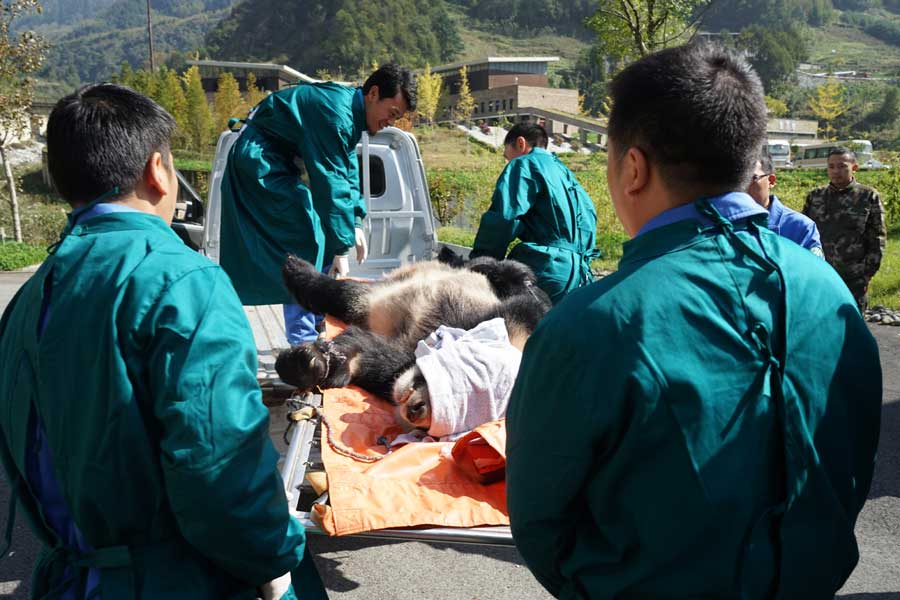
column 310, row 412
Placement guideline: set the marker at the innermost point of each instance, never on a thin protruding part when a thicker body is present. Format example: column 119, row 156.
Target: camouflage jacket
column 851, row 225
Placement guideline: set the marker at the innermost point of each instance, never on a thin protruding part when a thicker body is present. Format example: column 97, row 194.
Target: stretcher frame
column 293, row 470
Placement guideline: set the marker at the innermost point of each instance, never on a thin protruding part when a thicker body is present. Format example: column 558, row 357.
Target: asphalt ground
column 359, row 568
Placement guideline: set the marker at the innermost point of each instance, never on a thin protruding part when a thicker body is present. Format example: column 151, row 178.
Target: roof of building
column 283, row 71
column 495, row 59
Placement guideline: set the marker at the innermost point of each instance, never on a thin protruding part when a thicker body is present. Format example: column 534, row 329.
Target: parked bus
column 780, row 153
column 816, row 155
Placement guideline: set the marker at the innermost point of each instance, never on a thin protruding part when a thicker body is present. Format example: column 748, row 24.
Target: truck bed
column 267, row 323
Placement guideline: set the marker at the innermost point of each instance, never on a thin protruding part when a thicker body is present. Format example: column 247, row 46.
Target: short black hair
column 765, row 161
column 696, row 111
column 101, row 137
column 390, row 79
column 842, row 150
column 533, row 133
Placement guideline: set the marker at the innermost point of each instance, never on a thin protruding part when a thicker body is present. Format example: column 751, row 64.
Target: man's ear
column 772, row 180
column 855, row 167
column 522, row 145
column 635, row 171
column 372, row 94
column 156, row 174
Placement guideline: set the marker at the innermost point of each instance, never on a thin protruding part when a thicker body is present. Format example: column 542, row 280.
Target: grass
column 15, row 255
column 847, row 48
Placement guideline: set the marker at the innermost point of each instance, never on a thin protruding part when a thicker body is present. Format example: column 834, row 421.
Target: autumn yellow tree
column 828, row 104
column 255, row 94
column 465, row 103
column 170, row 96
column 199, row 117
column 228, row 102
column 429, row 86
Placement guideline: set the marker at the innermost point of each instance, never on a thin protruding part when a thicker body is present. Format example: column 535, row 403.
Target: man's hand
column 340, row 267
column 362, row 248
column 276, row 588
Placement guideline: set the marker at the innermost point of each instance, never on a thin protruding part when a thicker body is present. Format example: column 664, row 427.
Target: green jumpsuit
column 538, row 200
column 144, row 380
column 700, row 424
column 272, row 207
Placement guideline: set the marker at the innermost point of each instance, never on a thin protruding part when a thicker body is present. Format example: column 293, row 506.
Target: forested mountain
column 523, row 16
column 341, row 36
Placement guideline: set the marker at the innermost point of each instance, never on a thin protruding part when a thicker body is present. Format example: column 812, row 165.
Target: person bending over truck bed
column 272, row 206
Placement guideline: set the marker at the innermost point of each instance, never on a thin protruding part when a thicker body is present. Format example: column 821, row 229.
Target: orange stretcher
column 428, row 491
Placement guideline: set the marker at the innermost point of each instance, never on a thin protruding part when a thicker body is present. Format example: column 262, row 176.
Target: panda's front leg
column 313, row 365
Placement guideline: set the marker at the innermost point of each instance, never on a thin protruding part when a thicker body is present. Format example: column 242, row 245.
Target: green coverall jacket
column 144, row 380
column 538, row 200
column 272, row 206
column 700, row 424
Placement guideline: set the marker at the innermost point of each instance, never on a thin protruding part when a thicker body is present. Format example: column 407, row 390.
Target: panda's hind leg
column 344, row 299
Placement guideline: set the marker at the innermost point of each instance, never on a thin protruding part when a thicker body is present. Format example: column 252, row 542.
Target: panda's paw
column 304, row 366
column 412, row 400
column 300, row 277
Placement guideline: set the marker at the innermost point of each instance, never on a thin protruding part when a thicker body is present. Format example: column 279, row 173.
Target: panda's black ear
column 449, row 257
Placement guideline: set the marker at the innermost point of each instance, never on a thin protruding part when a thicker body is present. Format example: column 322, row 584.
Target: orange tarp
column 415, row 484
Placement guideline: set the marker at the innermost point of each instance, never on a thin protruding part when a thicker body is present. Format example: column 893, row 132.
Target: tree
column 429, row 86
column 228, row 102
column 465, row 103
column 255, row 94
column 199, row 118
column 828, row 104
column 125, row 76
column 170, row 96
column 20, row 55
column 889, row 110
column 776, row 107
column 635, row 28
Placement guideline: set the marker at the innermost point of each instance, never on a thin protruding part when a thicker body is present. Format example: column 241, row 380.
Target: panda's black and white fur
column 388, row 317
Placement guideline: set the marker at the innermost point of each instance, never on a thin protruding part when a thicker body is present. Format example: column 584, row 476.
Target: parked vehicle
column 780, row 152
column 400, row 225
column 816, row 155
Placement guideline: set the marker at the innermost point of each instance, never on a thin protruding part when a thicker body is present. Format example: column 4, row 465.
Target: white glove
column 362, row 247
column 340, row 267
column 276, row 588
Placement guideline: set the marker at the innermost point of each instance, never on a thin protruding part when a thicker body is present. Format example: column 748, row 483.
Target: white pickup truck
column 400, row 225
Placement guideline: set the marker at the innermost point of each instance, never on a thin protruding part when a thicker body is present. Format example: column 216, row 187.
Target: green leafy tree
column 429, row 85
column 20, row 56
column 145, row 82
column 199, row 117
column 887, row 113
column 635, row 28
column 465, row 103
column 827, row 105
column 255, row 94
column 125, row 76
column 227, row 102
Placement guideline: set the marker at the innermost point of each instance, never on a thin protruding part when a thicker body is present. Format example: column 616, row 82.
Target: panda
column 387, row 318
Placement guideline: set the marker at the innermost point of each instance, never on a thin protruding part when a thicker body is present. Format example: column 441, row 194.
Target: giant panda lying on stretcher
column 387, row 318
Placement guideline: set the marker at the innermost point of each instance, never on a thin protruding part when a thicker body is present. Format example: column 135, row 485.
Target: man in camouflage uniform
column 850, row 218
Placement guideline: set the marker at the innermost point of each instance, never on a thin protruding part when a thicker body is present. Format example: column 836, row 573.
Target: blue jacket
column 793, row 225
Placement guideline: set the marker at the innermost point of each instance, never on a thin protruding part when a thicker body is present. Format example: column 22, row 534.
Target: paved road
column 357, row 569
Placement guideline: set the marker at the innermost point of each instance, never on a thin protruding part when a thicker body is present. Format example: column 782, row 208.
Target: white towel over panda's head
column 470, row 376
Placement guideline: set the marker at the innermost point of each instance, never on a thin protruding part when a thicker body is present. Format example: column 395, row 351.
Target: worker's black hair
column 533, row 133
column 390, row 79
column 696, row 111
column 841, row 151
column 101, row 137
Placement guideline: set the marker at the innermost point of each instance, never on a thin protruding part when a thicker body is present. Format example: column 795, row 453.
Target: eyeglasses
column 756, row 178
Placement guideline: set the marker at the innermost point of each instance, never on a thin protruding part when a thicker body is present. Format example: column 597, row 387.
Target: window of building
column 504, row 104
column 376, row 175
column 512, row 103
column 482, row 107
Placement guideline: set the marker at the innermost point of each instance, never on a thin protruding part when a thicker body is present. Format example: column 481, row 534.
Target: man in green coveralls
column 272, row 206
column 132, row 428
column 716, row 401
column 538, row 200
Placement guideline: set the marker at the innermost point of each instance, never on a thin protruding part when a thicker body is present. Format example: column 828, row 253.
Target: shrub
column 14, row 255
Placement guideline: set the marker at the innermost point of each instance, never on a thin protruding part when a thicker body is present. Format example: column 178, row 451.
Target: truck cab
column 399, row 227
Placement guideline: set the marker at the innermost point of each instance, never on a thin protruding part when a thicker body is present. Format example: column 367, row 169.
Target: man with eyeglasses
column 784, row 221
